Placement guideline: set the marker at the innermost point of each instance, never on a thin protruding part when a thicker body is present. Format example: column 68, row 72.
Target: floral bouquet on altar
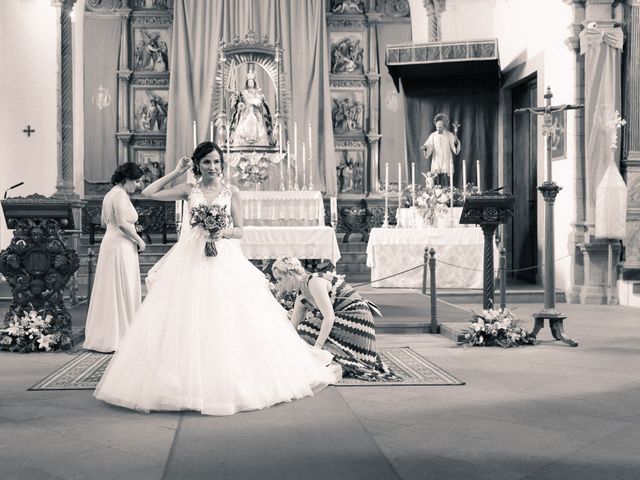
column 211, row 218
column 253, row 169
column 496, row 328
column 32, row 331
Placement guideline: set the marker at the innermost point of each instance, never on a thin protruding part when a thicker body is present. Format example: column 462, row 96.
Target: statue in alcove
column 251, row 123
column 347, row 6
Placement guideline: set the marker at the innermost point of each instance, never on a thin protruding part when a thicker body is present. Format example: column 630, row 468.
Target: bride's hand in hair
column 183, row 165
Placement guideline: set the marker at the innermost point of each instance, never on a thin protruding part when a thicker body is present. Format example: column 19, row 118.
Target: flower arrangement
column 496, row 328
column 32, row 331
column 253, row 168
column 433, row 201
column 211, row 218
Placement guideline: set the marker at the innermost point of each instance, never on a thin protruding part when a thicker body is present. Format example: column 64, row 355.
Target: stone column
column 371, row 178
column 124, row 78
column 630, row 164
column 590, row 270
column 64, row 101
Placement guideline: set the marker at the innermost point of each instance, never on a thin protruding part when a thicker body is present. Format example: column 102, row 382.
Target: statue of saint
column 250, row 116
column 441, row 146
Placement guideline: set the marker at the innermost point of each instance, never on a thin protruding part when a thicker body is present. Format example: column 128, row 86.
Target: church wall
column 461, row 20
column 531, row 38
column 29, row 67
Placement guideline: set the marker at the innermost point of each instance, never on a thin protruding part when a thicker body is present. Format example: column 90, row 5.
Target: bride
column 210, row 336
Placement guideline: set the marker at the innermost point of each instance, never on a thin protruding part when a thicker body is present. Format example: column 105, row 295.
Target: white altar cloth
column 392, row 250
column 302, row 242
column 283, row 208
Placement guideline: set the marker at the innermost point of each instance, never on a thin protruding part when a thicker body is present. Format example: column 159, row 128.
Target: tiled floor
column 543, row 412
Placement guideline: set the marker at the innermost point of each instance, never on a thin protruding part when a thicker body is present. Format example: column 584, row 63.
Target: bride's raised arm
column 158, row 190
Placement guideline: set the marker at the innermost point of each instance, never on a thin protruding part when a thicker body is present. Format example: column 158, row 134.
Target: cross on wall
column 28, row 131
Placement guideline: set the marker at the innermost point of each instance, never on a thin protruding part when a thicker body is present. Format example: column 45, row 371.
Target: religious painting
column 152, row 164
column 558, row 135
column 150, row 110
column 347, row 111
column 350, row 171
column 151, row 51
column 347, row 52
column 347, row 6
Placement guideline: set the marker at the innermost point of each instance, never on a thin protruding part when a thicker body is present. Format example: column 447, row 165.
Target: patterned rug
column 85, row 371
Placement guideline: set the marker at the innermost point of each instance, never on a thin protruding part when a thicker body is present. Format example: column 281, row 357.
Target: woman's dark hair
column 201, row 151
column 126, row 171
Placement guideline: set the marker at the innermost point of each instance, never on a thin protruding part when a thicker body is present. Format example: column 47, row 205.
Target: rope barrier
column 455, row 266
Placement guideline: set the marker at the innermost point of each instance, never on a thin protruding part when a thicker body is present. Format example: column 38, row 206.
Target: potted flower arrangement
column 32, row 331
column 496, row 328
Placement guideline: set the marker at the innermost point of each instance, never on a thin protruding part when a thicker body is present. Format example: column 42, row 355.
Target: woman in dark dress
column 329, row 314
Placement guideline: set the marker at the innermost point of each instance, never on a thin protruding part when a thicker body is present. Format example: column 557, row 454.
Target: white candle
column 309, row 141
column 478, row 175
column 413, row 183
column 334, row 208
column 280, row 140
column 399, row 184
column 451, row 182
column 211, row 131
column 464, row 176
column 288, row 163
column 195, row 135
column 295, row 142
column 304, row 163
column 228, row 142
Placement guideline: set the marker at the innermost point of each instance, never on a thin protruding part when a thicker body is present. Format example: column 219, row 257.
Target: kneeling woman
column 342, row 321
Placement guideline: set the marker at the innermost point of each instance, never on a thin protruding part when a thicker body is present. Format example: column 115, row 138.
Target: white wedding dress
column 210, row 336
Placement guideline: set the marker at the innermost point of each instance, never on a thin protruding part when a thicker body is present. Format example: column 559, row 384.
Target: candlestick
column 304, row 166
column 413, row 183
column 295, row 142
column 211, row 131
column 333, row 202
column 195, row 136
column 288, row 166
column 464, row 176
column 451, row 190
column 478, row 175
column 385, row 224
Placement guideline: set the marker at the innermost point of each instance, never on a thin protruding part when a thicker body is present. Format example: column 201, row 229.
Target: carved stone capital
column 373, row 138
column 549, row 191
column 372, row 78
column 125, row 75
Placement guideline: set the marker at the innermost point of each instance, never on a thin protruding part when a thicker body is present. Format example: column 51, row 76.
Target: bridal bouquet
column 496, row 327
column 212, row 218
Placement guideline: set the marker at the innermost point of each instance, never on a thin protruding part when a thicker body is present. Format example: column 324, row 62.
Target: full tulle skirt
column 210, row 337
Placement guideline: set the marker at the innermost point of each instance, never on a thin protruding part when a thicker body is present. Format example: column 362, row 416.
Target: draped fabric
column 602, row 49
column 101, row 58
column 392, row 117
column 299, row 26
column 468, row 101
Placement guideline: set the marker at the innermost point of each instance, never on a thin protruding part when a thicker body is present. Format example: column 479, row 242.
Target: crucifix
column 28, row 131
column 549, row 190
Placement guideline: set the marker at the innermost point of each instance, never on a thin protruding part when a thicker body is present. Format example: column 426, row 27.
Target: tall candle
column 228, row 142
column 413, row 183
column 478, row 175
column 464, row 176
column 211, row 131
column 334, row 208
column 304, row 163
column 309, row 140
column 280, row 140
column 451, row 181
column 195, row 135
column 399, row 184
column 288, row 163
column 295, row 142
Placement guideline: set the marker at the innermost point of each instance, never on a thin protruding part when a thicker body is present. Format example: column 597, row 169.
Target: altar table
column 392, row 250
column 283, row 208
column 261, row 243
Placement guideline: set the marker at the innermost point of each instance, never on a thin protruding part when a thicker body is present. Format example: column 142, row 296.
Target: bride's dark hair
column 201, row 151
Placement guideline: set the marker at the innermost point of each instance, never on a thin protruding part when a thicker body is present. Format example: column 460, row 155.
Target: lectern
column 37, row 264
column 488, row 210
